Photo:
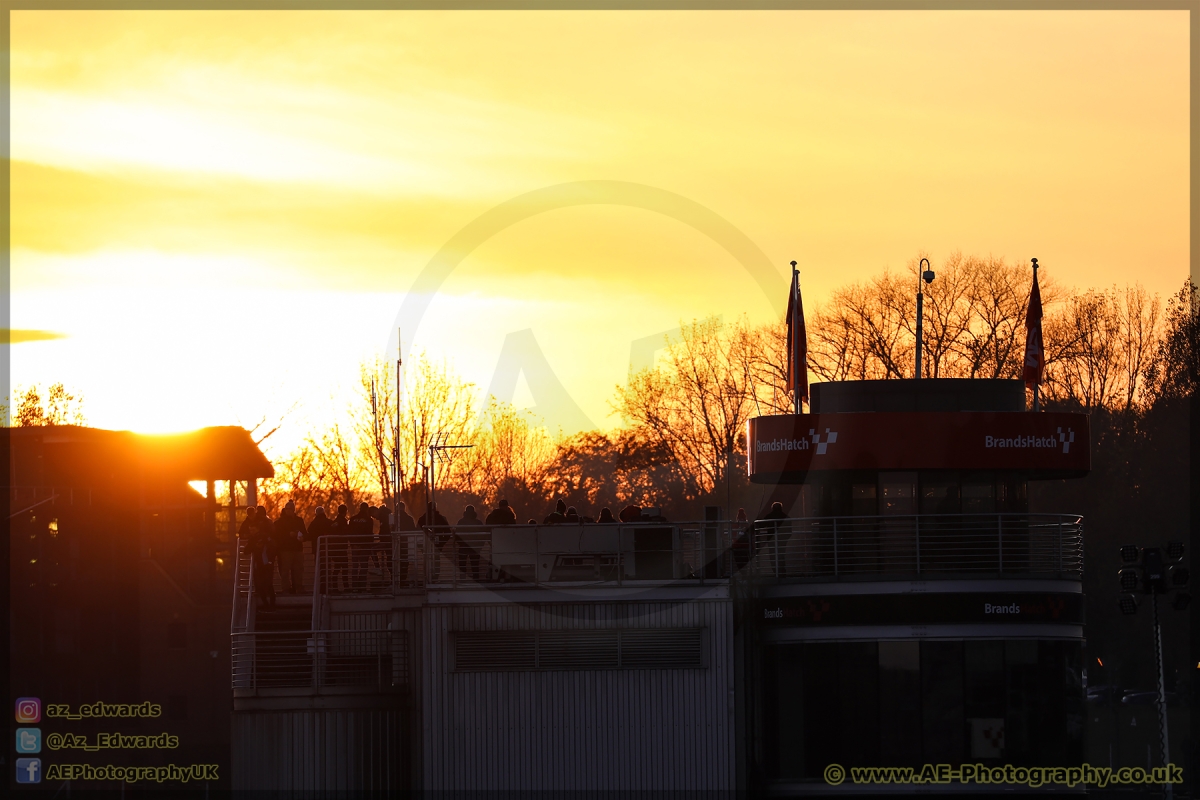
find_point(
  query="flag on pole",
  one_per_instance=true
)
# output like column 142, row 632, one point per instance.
column 797, row 343
column 1035, row 354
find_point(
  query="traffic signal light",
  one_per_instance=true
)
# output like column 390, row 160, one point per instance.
column 1181, row 601
column 1128, row 604
column 1130, row 553
column 1129, row 579
column 1179, row 577
column 1175, row 551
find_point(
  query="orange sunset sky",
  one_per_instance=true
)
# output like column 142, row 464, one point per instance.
column 219, row 214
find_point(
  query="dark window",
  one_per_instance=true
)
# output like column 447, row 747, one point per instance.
column 862, row 500
column 897, row 492
column 939, row 494
column 900, row 703
column 903, row 703
column 979, row 494
column 578, row 649
column 942, row 693
column 177, row 636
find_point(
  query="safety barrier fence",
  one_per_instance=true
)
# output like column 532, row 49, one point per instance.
column 699, row 552
column 975, row 544
column 324, row 659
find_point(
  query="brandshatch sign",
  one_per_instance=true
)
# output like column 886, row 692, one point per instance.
column 923, row 608
column 784, row 448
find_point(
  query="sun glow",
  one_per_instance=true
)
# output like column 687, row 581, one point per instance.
column 218, row 214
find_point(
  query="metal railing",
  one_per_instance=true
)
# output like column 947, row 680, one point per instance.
column 243, row 598
column 325, row 659
column 924, row 545
column 697, row 552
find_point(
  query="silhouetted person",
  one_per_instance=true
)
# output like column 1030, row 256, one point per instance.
column 362, row 528
column 432, row 518
column 631, row 513
column 605, row 516
column 776, row 512
column 383, row 541
column 559, row 514
column 249, row 525
column 289, row 541
column 466, row 538
column 769, row 525
column 252, row 534
column 572, row 515
column 742, row 535
column 532, row 522
column 404, row 520
column 264, row 545
column 405, row 551
column 439, row 533
column 502, row 515
column 339, row 563
column 320, row 527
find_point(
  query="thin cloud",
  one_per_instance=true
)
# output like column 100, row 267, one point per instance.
column 21, row 335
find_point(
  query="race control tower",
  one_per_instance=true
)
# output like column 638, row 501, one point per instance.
column 908, row 606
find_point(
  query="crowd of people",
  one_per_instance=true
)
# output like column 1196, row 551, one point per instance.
column 278, row 544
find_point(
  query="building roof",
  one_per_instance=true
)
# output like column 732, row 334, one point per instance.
column 215, row 453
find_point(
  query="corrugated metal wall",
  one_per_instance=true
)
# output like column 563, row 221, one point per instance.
column 629, row 729
column 319, row 750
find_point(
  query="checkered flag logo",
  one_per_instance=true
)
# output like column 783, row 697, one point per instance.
column 829, row 436
column 1065, row 439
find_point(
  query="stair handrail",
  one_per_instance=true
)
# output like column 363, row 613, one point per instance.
column 250, row 591
column 237, row 587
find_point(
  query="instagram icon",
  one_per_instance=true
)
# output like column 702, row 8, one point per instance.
column 29, row 709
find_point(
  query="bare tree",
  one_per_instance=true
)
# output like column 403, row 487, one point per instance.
column 1140, row 332
column 59, row 407
column 1175, row 370
column 696, row 404
column 511, row 448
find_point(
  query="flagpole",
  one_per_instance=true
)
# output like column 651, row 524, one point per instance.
column 1036, row 386
column 795, row 340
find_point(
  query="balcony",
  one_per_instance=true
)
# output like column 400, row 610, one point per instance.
column 919, row 546
column 925, row 546
column 824, row 548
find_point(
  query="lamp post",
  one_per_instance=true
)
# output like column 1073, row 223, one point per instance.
column 926, row 276
column 1148, row 572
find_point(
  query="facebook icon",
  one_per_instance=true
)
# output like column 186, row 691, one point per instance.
column 29, row 770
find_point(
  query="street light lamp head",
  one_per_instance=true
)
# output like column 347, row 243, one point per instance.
column 1179, row 577
column 1129, row 580
column 927, row 275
